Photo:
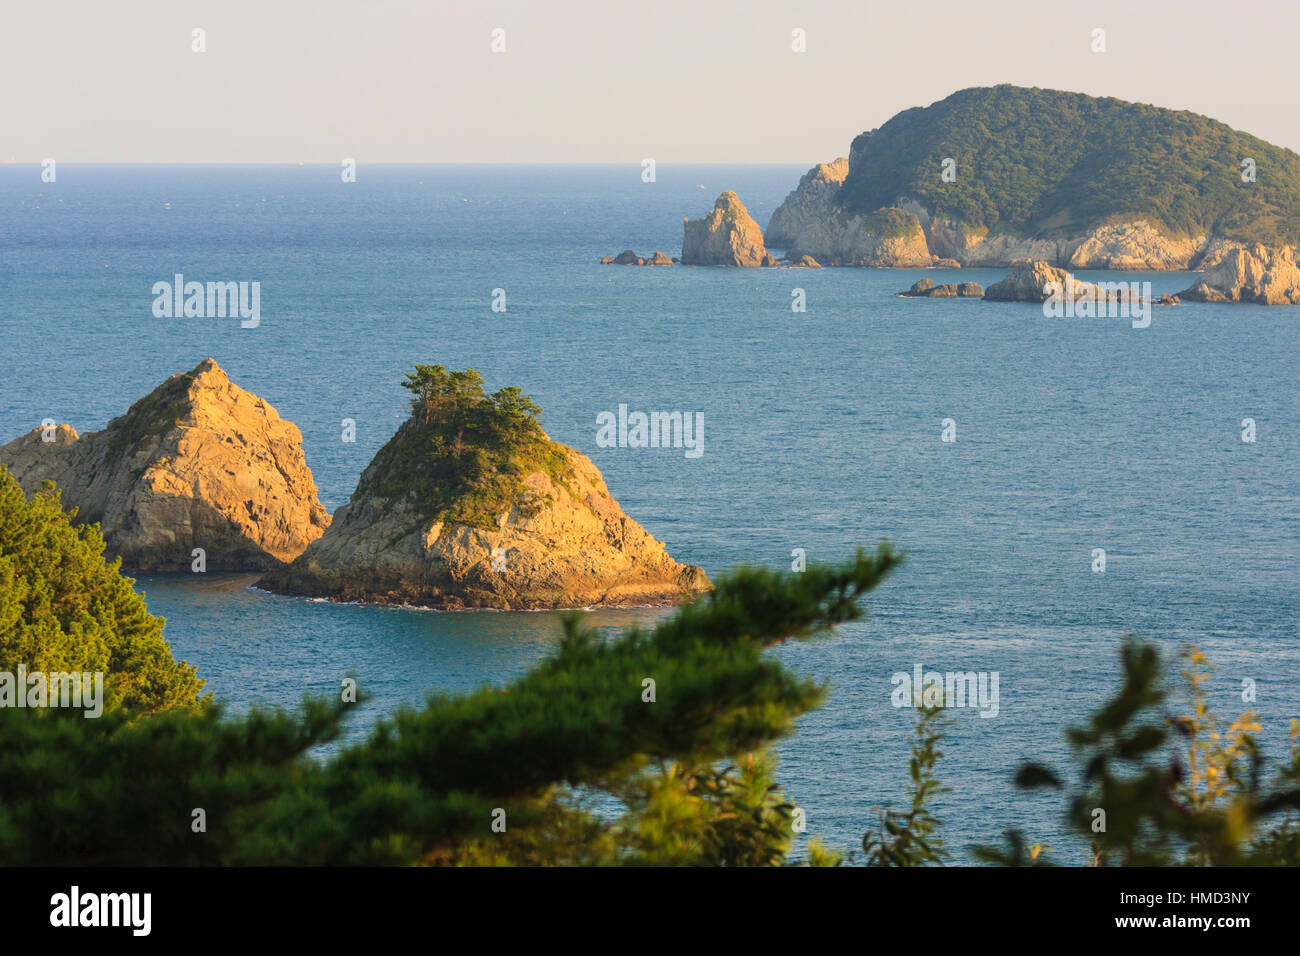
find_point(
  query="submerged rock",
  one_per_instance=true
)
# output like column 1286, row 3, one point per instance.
column 196, row 463
column 926, row 289
column 508, row 519
column 727, row 236
column 629, row 258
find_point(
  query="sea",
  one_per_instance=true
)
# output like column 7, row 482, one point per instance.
column 1068, row 440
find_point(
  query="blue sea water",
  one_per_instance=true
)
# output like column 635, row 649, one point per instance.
column 822, row 432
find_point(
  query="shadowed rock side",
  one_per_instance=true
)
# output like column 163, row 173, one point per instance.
column 807, row 206
column 196, row 463
column 562, row 541
column 727, row 236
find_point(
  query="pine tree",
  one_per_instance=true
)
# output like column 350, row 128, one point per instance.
column 520, row 774
column 64, row 608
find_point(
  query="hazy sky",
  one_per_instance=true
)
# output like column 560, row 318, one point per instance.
column 608, row 81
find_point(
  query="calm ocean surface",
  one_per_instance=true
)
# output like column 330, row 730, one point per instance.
column 822, row 432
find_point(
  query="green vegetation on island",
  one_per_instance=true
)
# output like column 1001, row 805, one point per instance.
column 463, row 454
column 1049, row 163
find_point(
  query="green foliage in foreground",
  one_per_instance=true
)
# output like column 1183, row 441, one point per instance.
column 911, row 838
column 463, row 454
column 1177, row 789
column 689, row 767
column 63, row 608
column 1052, row 163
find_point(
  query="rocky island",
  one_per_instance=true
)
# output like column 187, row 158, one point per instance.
column 196, row 463
column 727, row 236
column 471, row 505
column 992, row 175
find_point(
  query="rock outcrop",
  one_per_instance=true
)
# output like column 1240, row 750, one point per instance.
column 1257, row 275
column 809, row 204
column 1036, row 281
column 1137, row 246
column 557, row 540
column 926, row 289
column 727, row 236
column 196, row 463
column 812, row 226
column 629, row 258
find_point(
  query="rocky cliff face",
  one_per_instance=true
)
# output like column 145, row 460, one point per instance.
column 811, row 222
column 810, row 204
column 1257, row 274
column 558, row 541
column 727, row 236
column 1135, row 246
column 196, row 463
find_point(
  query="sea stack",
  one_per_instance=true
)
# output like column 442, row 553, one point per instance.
column 196, row 463
column 727, row 236
column 471, row 505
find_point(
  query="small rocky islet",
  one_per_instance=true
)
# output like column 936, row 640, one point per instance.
column 514, row 521
column 197, row 463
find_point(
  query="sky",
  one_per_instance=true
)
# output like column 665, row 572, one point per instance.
column 705, row 81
